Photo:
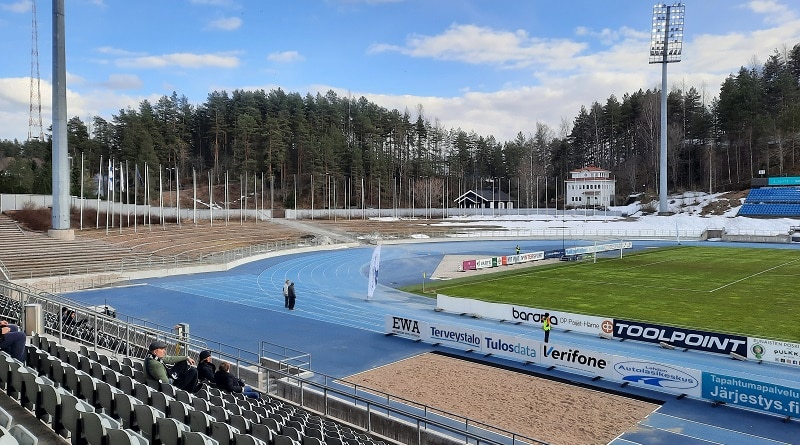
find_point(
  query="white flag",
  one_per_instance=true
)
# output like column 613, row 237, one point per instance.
column 374, row 266
column 110, row 177
column 121, row 178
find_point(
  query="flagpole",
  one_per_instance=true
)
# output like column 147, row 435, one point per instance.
column 161, row 197
column 81, row 191
column 99, row 188
column 121, row 189
column 194, row 197
column 262, row 192
column 210, row 200
column 147, row 196
column 312, row 196
column 178, row 195
column 127, row 194
column 109, row 193
column 135, row 193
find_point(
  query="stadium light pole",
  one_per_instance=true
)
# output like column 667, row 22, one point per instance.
column 666, row 46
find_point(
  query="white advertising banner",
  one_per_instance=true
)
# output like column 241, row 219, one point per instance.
column 532, row 256
column 406, row 327
column 483, row 263
column 773, row 351
column 509, row 346
column 658, row 376
column 643, row 373
column 452, row 336
column 533, row 316
column 574, row 357
column 639, row 372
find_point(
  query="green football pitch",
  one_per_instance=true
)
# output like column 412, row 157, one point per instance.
column 721, row 289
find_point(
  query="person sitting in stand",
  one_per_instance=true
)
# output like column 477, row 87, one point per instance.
column 12, row 340
column 206, row 369
column 69, row 318
column 181, row 375
column 227, row 382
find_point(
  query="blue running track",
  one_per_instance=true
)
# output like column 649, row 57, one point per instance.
column 343, row 331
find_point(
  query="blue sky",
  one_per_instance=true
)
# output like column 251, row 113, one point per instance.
column 493, row 66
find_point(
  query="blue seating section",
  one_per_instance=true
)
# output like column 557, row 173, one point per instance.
column 772, row 202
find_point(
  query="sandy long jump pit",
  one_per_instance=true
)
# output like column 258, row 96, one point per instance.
column 554, row 412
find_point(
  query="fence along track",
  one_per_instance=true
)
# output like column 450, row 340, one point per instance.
column 133, row 335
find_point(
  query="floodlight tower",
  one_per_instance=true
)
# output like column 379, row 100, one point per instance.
column 60, row 213
column 666, row 46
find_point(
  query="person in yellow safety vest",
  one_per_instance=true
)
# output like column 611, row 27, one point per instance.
column 517, row 249
column 546, row 326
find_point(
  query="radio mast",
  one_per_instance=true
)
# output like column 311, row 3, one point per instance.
column 35, row 130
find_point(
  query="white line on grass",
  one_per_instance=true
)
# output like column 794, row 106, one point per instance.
column 753, row 275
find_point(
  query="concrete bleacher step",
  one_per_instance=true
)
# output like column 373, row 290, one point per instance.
column 31, row 255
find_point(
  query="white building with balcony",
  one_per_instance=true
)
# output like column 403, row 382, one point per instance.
column 590, row 187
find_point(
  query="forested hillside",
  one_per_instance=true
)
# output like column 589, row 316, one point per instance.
column 718, row 143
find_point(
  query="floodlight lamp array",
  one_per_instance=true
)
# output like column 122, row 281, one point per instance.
column 666, row 38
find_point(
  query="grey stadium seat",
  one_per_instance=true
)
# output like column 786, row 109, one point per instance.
column 125, row 437
column 262, row 432
column 200, row 422
column 280, row 439
column 245, row 439
column 170, row 431
column 124, row 407
column 96, row 427
column 23, row 436
column 195, row 438
column 223, row 433
column 146, row 420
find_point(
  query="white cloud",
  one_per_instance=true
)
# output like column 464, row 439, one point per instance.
column 14, row 91
column 117, row 52
column 481, row 45
column 18, row 7
column 226, row 24
column 183, row 60
column 773, row 11
column 122, row 82
column 285, row 57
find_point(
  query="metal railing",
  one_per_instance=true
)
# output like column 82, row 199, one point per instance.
column 292, row 361
column 129, row 336
column 5, row 272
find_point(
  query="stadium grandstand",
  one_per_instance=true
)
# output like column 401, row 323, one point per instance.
column 773, row 197
column 83, row 379
column 85, row 382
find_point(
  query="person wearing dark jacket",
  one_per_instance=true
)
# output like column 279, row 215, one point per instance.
column 206, row 368
column 12, row 340
column 227, row 382
column 292, row 296
column 181, row 375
